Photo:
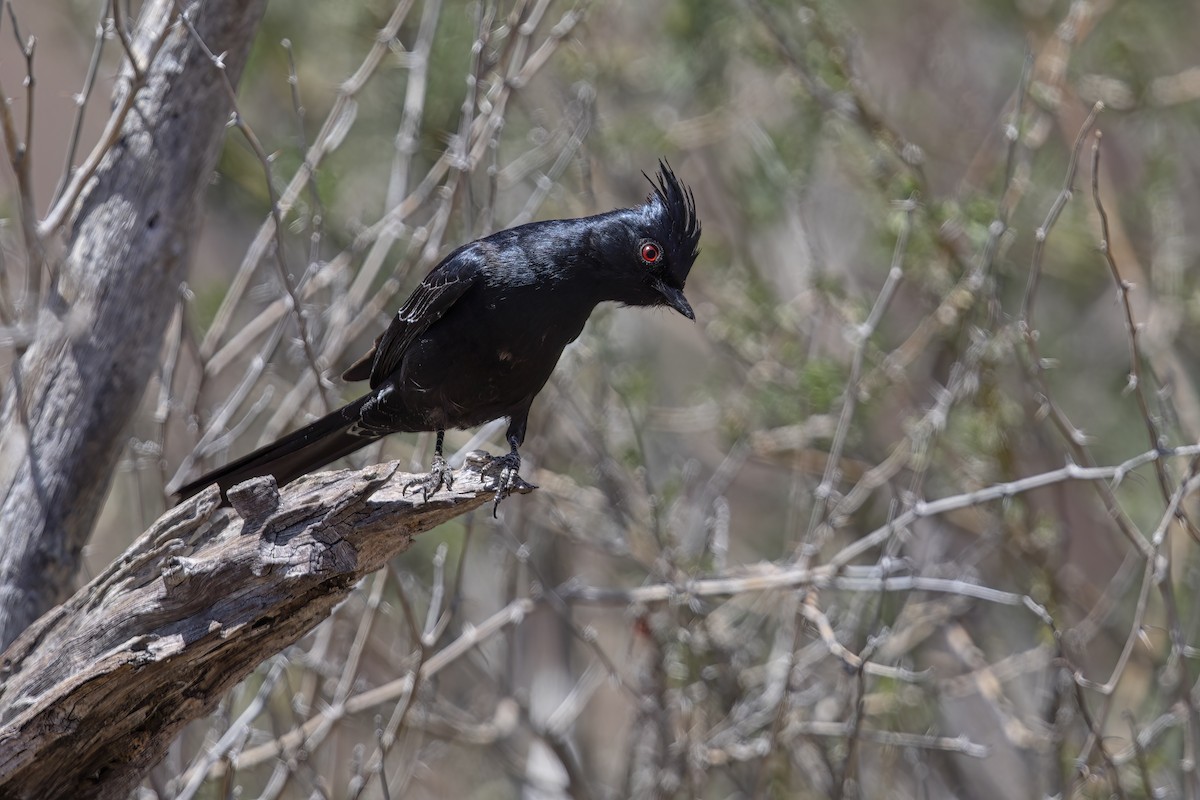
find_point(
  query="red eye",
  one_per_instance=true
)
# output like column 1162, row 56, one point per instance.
column 651, row 253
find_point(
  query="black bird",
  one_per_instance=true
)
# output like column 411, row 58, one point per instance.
column 479, row 337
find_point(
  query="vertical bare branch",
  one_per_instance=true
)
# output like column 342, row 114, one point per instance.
column 101, row 330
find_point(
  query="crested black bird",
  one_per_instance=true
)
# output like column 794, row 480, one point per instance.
column 478, row 338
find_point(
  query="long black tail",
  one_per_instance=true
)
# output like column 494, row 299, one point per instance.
column 296, row 454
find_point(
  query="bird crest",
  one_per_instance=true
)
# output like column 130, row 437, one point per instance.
column 679, row 207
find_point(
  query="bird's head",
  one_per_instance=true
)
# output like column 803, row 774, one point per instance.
column 653, row 246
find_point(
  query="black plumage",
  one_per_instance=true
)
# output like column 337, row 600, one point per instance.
column 478, row 338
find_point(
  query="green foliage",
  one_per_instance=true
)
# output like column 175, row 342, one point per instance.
column 705, row 35
column 987, row 427
column 206, row 301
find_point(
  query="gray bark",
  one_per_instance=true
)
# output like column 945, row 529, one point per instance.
column 92, row 694
column 100, row 329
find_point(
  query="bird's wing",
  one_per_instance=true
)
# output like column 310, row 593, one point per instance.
column 429, row 301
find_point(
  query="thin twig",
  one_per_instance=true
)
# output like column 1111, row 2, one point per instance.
column 134, row 74
column 81, row 101
column 239, row 122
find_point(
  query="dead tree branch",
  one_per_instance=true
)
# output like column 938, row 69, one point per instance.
column 93, row 692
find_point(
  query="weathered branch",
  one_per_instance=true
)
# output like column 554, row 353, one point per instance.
column 92, row 693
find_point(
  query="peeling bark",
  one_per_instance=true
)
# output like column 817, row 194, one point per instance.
column 93, row 692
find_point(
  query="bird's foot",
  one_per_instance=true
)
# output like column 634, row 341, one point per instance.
column 439, row 475
column 507, row 469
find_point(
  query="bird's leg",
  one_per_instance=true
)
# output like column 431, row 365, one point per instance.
column 440, row 473
column 440, row 470
column 510, row 466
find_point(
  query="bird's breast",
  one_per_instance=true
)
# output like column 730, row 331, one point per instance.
column 487, row 358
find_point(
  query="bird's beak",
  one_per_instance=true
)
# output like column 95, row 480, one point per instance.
column 675, row 299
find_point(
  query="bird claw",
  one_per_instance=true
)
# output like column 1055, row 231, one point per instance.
column 439, row 475
column 506, row 468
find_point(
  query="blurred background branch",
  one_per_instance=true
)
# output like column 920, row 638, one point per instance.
column 909, row 511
